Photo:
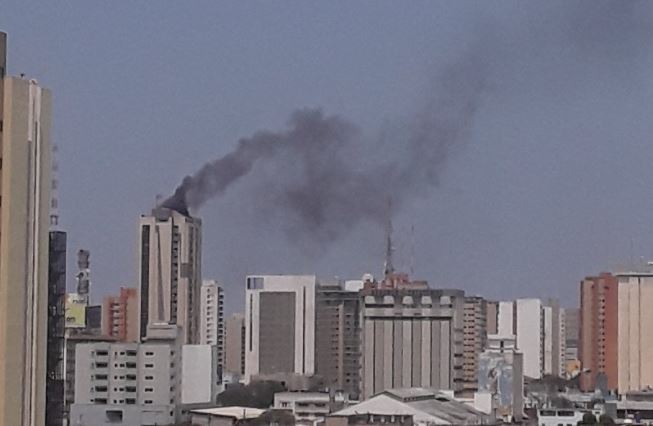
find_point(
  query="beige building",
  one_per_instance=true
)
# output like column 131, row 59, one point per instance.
column 169, row 272
column 24, row 226
column 212, row 317
column 412, row 337
column 474, row 339
column 635, row 347
column 235, row 345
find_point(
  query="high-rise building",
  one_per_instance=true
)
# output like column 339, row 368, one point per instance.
column 554, row 338
column 634, row 341
column 492, row 318
column 539, row 329
column 24, row 227
column 120, row 316
column 530, row 335
column 597, row 348
column 212, row 317
column 235, row 345
column 474, row 339
column 169, row 271
column 54, row 387
column 572, row 333
column 412, row 337
column 506, row 324
column 337, row 337
column 280, row 325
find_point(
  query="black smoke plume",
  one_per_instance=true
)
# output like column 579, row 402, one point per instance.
column 323, row 186
column 325, row 182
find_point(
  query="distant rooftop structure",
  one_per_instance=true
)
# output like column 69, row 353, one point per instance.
column 235, row 412
column 427, row 406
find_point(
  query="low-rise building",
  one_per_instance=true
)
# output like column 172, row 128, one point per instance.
column 309, row 407
column 224, row 416
column 128, row 383
column 426, row 406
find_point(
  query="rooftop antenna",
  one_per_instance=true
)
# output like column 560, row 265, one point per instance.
column 388, row 268
column 412, row 251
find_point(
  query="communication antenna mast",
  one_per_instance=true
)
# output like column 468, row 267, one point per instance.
column 388, row 267
column 412, row 251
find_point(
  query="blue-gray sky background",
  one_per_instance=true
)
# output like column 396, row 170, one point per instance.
column 554, row 184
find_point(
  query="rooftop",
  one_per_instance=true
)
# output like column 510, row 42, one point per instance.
column 235, row 412
column 429, row 405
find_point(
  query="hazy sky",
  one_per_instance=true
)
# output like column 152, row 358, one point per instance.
column 551, row 181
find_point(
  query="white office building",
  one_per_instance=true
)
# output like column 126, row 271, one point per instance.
column 212, row 317
column 280, row 325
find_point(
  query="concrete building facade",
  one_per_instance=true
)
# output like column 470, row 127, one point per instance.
column 572, row 333
column 530, row 335
column 280, row 325
column 120, row 316
column 634, row 339
column 212, row 317
column 169, row 272
column 24, row 227
column 235, row 345
column 118, row 383
column 555, row 339
column 412, row 338
column 337, row 338
column 501, row 374
column 598, row 337
column 474, row 339
column 200, row 374
column 492, row 318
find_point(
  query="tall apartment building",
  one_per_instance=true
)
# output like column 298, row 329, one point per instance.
column 129, row 383
column 598, row 343
column 634, row 339
column 474, row 339
column 572, row 333
column 280, row 325
column 235, row 345
column 412, row 337
column 539, row 331
column 212, row 317
column 554, row 338
column 24, row 227
column 337, row 337
column 54, row 387
column 120, row 315
column 169, row 271
column 492, row 318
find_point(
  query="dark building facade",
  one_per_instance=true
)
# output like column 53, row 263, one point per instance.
column 337, row 338
column 54, row 396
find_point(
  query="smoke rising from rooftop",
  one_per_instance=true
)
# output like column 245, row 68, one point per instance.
column 323, row 190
